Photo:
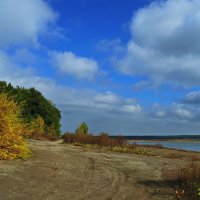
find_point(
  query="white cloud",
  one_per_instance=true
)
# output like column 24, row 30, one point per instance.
column 22, row 21
column 175, row 111
column 131, row 108
column 192, row 98
column 181, row 111
column 171, row 26
column 71, row 64
column 165, row 43
column 107, row 98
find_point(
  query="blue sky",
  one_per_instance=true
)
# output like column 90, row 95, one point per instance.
column 125, row 67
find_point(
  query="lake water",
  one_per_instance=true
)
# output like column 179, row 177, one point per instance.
column 190, row 146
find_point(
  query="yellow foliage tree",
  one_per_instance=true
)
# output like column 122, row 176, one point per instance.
column 37, row 126
column 12, row 130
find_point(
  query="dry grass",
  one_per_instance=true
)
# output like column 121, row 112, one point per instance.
column 188, row 182
column 116, row 144
column 102, row 141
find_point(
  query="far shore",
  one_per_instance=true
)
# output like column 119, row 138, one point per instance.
column 166, row 140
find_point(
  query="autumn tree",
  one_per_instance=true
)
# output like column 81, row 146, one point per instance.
column 37, row 126
column 12, row 130
column 82, row 129
column 34, row 105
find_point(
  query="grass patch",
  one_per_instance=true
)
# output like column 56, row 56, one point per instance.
column 142, row 151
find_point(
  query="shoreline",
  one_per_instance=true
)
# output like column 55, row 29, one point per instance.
column 167, row 140
column 159, row 145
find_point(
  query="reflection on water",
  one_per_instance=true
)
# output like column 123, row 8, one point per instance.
column 190, row 146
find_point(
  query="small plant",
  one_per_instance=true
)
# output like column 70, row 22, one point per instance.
column 141, row 151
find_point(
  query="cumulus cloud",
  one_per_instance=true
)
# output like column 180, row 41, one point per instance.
column 22, row 21
column 192, row 98
column 107, row 98
column 181, row 111
column 131, row 108
column 175, row 111
column 173, row 26
column 165, row 43
column 77, row 66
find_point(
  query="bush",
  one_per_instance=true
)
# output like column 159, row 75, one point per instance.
column 188, row 182
column 102, row 141
column 12, row 130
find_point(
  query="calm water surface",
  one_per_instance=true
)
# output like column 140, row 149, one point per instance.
column 190, row 146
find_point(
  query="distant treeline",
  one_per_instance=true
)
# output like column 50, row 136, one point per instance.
column 34, row 108
column 174, row 137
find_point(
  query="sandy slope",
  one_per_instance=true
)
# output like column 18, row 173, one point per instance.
column 63, row 172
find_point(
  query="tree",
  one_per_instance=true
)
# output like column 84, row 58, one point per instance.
column 37, row 126
column 34, row 105
column 12, row 130
column 51, row 130
column 82, row 129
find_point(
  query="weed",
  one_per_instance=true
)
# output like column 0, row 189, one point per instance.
column 141, row 151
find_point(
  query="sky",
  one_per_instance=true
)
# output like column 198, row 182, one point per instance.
column 125, row 67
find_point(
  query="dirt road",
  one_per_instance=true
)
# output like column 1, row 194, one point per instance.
column 64, row 172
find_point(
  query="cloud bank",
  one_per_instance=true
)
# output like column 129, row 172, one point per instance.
column 165, row 43
column 22, row 21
